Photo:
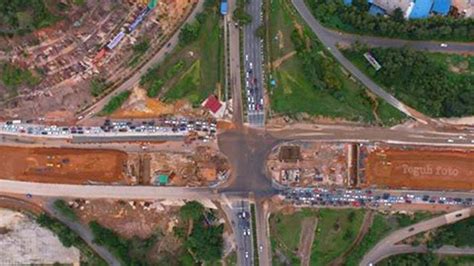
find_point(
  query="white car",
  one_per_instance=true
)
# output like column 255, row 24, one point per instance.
column 246, row 254
column 251, row 65
column 444, row 45
column 246, row 57
column 450, row 140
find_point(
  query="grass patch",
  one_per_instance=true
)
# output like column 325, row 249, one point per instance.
column 312, row 82
column 62, row 207
column 115, row 102
column 254, row 235
column 231, row 259
column 380, row 228
column 187, row 85
column 336, row 231
column 195, row 68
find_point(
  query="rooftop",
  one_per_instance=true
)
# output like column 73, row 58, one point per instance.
column 390, row 5
column 421, row 9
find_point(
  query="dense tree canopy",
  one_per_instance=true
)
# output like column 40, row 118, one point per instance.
column 422, row 83
column 24, row 15
column 356, row 19
column 205, row 240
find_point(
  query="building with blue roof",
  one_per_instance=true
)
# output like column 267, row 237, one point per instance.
column 441, row 7
column 422, row 9
column 412, row 9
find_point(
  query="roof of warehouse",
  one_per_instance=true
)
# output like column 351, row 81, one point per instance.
column 442, row 6
column 422, row 9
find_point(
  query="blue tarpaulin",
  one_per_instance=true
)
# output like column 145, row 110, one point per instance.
column 441, row 7
column 422, row 9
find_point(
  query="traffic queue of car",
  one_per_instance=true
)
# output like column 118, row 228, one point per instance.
column 254, row 93
column 156, row 126
column 366, row 198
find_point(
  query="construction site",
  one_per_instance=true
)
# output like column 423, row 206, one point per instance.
column 90, row 41
column 397, row 167
column 71, row 166
column 201, row 166
column 309, row 164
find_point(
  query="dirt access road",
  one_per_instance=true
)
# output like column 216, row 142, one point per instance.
column 62, row 165
column 308, row 228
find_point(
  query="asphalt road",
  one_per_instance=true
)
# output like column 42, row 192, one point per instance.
column 444, row 250
column 247, row 153
column 387, row 246
column 371, row 41
column 105, row 191
column 243, row 232
column 135, row 78
column 124, row 138
column 330, row 43
column 253, row 60
column 234, row 61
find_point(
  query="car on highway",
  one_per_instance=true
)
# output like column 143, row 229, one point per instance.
column 444, row 45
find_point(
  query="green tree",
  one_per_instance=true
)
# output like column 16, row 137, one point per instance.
column 189, row 33
column 67, row 237
column 398, row 15
column 191, row 210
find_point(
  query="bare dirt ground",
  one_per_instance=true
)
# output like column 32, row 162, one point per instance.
column 139, row 105
column 436, row 208
column 421, row 168
column 128, row 218
column 52, row 165
column 23, row 242
column 308, row 227
column 282, row 59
